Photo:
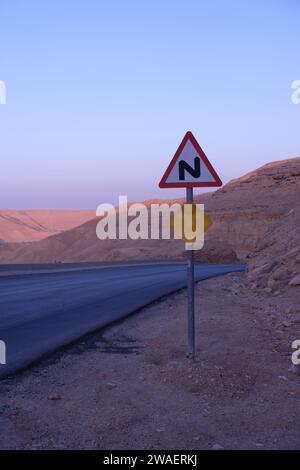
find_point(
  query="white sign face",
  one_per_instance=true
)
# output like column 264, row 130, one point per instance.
column 190, row 167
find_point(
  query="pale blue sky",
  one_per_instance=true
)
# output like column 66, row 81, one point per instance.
column 99, row 94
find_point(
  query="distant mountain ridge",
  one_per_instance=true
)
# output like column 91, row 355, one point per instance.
column 34, row 225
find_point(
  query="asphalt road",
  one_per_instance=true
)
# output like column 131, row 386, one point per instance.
column 40, row 313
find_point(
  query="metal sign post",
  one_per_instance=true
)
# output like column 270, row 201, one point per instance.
column 190, row 168
column 190, row 290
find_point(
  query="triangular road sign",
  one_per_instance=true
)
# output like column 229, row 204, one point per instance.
column 189, row 167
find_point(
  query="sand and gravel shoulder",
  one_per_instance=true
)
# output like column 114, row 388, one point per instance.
column 130, row 386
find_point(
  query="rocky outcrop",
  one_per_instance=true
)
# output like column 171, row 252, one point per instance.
column 275, row 263
column 251, row 208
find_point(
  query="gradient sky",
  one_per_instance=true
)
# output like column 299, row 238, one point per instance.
column 100, row 94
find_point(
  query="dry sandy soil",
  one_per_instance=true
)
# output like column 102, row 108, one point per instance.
column 130, row 386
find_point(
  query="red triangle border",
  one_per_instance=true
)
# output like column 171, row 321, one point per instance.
column 189, row 136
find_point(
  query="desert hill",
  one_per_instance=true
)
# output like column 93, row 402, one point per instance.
column 33, row 225
column 255, row 218
column 260, row 214
column 248, row 208
column 81, row 244
column 276, row 260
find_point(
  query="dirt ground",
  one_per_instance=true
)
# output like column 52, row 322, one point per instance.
column 130, row 386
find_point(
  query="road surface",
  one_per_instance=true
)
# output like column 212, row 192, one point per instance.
column 40, row 313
